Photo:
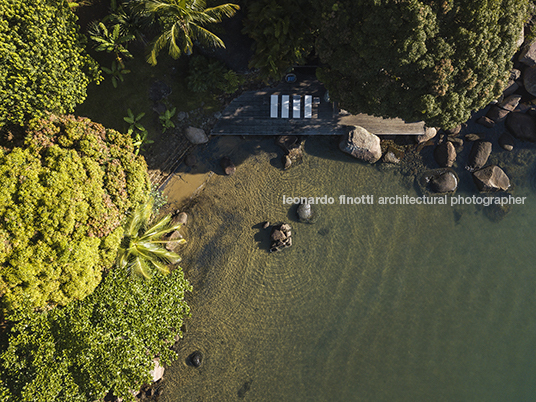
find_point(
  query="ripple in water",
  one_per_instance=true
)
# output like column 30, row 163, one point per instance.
column 371, row 303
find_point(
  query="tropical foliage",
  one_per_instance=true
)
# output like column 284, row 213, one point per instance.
column 183, row 23
column 283, row 34
column 137, row 131
column 113, row 40
column 64, row 196
column 44, row 66
column 142, row 250
column 206, row 74
column 116, row 71
column 105, row 342
column 419, row 60
column 165, row 119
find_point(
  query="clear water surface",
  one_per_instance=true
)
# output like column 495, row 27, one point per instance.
column 371, row 303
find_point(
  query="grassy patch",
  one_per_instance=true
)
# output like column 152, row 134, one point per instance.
column 108, row 105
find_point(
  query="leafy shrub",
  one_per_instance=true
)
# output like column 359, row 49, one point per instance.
column 44, row 66
column 283, row 34
column 418, row 60
column 205, row 74
column 105, row 342
column 64, row 197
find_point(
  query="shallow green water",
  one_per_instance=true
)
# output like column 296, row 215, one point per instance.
column 372, row 302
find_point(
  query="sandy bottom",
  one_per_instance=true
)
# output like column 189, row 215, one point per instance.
column 371, row 303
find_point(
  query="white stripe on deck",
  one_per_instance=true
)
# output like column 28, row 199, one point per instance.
column 296, row 103
column 308, row 106
column 274, row 105
column 285, row 104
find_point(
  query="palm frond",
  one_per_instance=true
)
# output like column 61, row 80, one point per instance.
column 158, row 44
column 138, row 267
column 219, row 12
column 160, row 266
column 153, row 252
column 160, row 228
column 205, row 37
column 175, row 50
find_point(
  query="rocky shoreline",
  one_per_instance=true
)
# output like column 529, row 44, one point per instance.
column 490, row 154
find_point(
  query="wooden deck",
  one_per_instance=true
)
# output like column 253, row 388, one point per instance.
column 249, row 114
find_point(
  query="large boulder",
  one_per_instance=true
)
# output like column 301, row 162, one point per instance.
column 196, row 135
column 361, row 144
column 522, row 126
column 158, row 371
column 499, row 111
column 528, row 54
column 491, row 178
column 445, row 154
column 444, row 183
column 438, row 181
column 529, row 80
column 479, row 155
column 510, row 102
column 429, row 133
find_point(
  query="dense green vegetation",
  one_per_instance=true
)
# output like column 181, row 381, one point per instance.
column 44, row 66
column 435, row 61
column 142, row 252
column 183, row 23
column 104, row 343
column 64, row 196
column 418, row 60
column 283, row 34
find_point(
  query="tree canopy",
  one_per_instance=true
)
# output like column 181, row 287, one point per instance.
column 435, row 61
column 43, row 65
column 183, row 23
column 63, row 200
column 105, row 342
column 283, row 34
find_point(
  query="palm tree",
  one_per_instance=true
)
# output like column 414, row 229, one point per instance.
column 141, row 250
column 183, row 22
column 111, row 41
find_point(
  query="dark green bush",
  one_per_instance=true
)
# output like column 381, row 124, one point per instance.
column 44, row 65
column 418, row 60
column 206, row 74
column 105, row 342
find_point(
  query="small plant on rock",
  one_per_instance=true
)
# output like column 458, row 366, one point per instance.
column 137, row 131
column 165, row 119
column 117, row 71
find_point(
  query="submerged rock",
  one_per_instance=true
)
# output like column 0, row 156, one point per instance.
column 491, row 178
column 305, row 212
column 227, row 165
column 522, row 126
column 438, row 181
column 479, row 155
column 196, row 358
column 506, row 141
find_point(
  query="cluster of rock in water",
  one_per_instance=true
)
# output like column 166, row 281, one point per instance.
column 509, row 123
column 280, row 237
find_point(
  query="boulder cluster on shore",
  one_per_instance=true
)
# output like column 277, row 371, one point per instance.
column 478, row 148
